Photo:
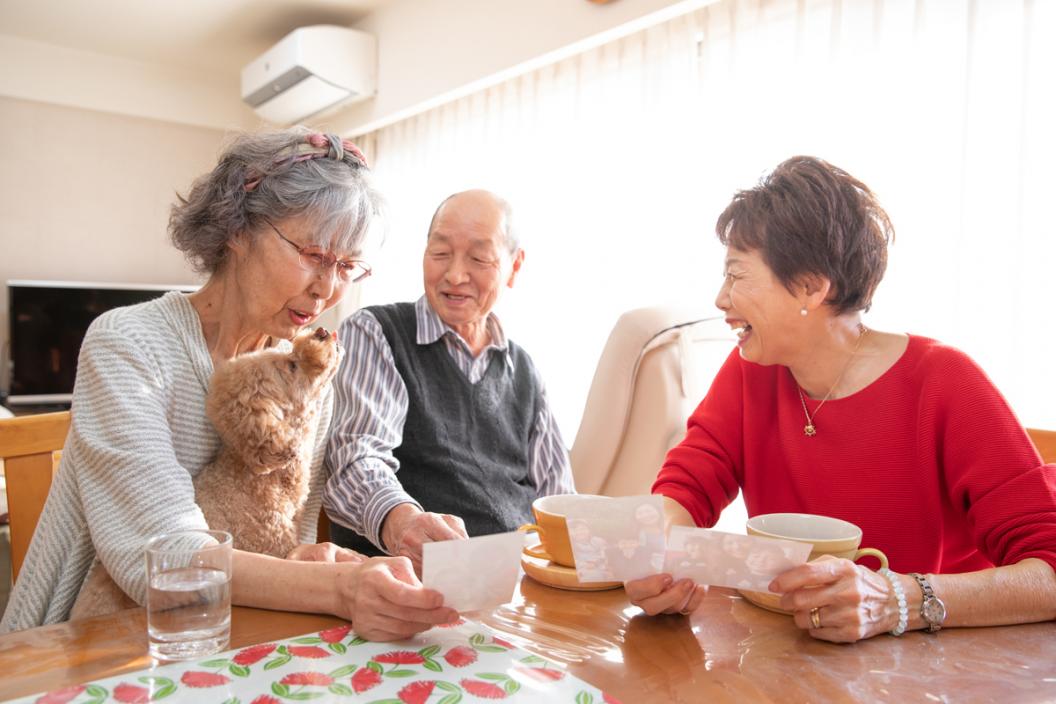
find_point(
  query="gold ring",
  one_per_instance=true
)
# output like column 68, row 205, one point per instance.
column 815, row 617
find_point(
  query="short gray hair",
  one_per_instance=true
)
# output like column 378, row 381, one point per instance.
column 267, row 175
column 511, row 235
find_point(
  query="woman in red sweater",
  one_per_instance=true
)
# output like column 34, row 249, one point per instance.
column 899, row 434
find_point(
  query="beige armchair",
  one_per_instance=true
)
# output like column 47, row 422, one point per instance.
column 656, row 367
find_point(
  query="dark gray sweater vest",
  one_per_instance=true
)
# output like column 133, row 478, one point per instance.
column 465, row 446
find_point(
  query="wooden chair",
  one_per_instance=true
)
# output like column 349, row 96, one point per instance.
column 323, row 531
column 30, row 447
column 1045, row 441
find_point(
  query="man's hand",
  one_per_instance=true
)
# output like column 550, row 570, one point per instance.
column 407, row 528
column 324, row 552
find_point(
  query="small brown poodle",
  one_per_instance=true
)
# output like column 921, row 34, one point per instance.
column 264, row 406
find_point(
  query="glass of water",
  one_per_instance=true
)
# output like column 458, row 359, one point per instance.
column 189, row 594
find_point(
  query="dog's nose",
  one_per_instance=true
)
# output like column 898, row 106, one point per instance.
column 321, row 333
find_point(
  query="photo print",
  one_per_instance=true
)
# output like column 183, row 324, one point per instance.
column 617, row 539
column 728, row 559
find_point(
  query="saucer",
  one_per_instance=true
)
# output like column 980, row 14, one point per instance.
column 765, row 600
column 554, row 575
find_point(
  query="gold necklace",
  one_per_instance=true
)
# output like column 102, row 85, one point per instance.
column 810, row 430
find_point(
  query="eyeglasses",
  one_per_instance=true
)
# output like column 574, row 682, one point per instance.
column 319, row 260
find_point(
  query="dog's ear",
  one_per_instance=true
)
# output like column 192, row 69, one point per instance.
column 266, row 441
column 247, row 406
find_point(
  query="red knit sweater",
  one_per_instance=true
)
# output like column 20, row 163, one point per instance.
column 929, row 460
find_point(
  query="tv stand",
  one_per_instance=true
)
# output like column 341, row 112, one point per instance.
column 34, row 409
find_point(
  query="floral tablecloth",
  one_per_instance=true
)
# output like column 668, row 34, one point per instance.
column 462, row 663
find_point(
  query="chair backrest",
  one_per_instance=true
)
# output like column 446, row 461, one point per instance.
column 654, row 370
column 30, row 447
column 1045, row 441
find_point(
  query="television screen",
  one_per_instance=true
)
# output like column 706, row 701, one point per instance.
column 48, row 322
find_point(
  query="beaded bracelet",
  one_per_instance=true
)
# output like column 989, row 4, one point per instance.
column 900, row 595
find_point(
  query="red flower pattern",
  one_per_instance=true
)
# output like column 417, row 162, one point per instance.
column 308, row 651
column 131, row 694
column 365, row 679
column 484, row 690
column 253, row 654
column 400, row 657
column 460, row 656
column 316, row 678
column 335, row 634
column 61, row 696
column 416, row 692
column 203, row 679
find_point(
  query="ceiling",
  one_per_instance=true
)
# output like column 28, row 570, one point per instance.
column 216, row 35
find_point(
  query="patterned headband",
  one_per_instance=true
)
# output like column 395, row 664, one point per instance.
column 315, row 146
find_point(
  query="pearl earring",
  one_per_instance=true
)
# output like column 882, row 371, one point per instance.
column 803, row 311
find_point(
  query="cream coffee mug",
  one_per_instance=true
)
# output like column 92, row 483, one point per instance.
column 550, row 524
column 828, row 536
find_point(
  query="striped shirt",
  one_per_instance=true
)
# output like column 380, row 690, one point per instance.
column 139, row 435
column 371, row 408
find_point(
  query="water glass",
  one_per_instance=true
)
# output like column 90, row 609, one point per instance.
column 189, row 595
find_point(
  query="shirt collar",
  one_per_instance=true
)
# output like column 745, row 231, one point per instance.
column 431, row 328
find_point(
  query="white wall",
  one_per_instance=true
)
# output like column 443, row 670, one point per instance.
column 85, row 195
column 430, row 51
column 83, row 79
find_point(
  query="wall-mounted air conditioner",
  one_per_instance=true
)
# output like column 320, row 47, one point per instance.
column 309, row 70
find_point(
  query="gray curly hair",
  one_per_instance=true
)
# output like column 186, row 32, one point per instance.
column 275, row 175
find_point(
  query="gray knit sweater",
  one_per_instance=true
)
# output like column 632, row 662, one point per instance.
column 138, row 437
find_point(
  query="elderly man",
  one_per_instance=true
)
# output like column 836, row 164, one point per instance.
column 441, row 427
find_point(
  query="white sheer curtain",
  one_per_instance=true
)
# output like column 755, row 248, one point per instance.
column 617, row 162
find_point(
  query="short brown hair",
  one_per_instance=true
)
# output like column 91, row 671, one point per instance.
column 810, row 217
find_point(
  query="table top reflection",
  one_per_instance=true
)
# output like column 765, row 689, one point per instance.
column 727, row 651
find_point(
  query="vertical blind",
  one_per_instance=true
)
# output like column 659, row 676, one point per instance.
column 618, row 161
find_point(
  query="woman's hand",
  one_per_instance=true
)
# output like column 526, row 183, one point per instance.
column 324, row 552
column 852, row 601
column 384, row 600
column 660, row 594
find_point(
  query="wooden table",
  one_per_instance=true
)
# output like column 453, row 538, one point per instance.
column 728, row 651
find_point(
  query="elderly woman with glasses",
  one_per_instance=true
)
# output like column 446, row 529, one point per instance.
column 279, row 227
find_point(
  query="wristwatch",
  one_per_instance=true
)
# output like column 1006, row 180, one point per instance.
column 932, row 610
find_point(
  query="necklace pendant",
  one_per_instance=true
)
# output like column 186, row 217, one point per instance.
column 809, row 430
